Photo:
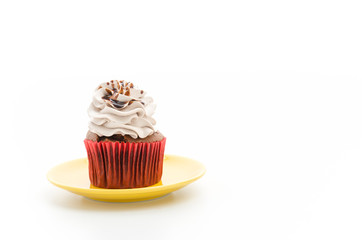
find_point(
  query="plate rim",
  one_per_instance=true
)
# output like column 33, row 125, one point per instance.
column 129, row 190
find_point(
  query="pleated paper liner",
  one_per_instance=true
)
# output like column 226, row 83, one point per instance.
column 125, row 165
column 154, row 185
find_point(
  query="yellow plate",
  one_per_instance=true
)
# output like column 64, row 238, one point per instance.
column 177, row 172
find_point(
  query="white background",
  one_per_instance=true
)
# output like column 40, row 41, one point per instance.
column 266, row 94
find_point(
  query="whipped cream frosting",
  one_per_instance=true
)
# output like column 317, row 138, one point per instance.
column 119, row 107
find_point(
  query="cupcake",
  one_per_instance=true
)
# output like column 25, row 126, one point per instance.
column 123, row 146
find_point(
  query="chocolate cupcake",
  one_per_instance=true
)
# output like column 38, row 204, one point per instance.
column 123, row 146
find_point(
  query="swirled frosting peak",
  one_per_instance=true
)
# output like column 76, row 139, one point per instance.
column 119, row 107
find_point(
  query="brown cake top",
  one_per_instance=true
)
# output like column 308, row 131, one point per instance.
column 157, row 136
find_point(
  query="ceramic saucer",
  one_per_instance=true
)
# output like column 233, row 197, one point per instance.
column 177, row 173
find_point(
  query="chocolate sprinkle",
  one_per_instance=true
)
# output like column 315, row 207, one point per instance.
column 119, row 87
column 117, row 104
column 109, row 91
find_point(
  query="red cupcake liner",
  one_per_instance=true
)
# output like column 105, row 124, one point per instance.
column 125, row 165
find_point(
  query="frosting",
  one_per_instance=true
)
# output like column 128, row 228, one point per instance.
column 118, row 107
